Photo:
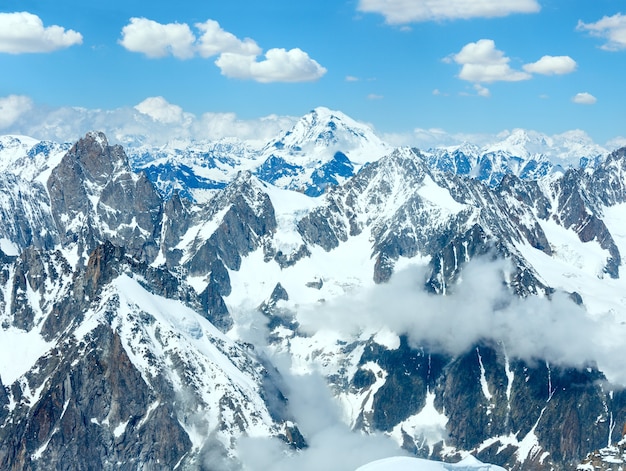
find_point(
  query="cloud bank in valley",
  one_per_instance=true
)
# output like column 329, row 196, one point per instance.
column 332, row 445
column 479, row 308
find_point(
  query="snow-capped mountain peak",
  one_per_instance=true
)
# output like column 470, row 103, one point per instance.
column 522, row 143
column 319, row 134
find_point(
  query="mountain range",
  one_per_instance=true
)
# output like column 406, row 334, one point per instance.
column 186, row 307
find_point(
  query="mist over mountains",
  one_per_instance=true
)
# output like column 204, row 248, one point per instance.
column 237, row 304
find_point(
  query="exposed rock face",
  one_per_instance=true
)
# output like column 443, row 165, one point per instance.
column 25, row 213
column 108, row 394
column 578, row 210
column 95, row 197
column 245, row 216
column 96, row 413
column 397, row 200
column 491, row 405
column 176, row 222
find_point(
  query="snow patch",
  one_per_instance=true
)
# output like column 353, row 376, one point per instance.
column 388, row 339
column 439, row 196
column 404, row 463
column 9, row 248
column 429, row 425
column 23, row 348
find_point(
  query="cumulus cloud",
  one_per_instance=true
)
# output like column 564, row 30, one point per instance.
column 482, row 62
column 215, row 40
column 478, row 308
column 279, row 65
column 611, row 28
column 12, row 107
column 160, row 110
column 158, row 40
column 552, row 65
column 584, row 98
column 237, row 57
column 409, row 11
column 24, row 32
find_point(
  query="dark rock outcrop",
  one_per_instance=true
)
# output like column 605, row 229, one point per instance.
column 95, row 414
column 96, row 197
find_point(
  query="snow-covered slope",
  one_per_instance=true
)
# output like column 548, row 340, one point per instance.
column 29, row 158
column 415, row 464
column 318, row 135
column 322, row 149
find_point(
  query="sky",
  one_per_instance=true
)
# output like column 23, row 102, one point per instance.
column 403, row 66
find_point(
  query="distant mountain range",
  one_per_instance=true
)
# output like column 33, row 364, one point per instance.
column 175, row 307
column 322, row 149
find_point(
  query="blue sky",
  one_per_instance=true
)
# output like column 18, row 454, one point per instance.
column 402, row 65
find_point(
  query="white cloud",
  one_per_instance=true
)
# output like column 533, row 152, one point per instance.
column 552, row 65
column 437, row 92
column 158, row 40
column 332, row 445
column 478, row 308
column 409, row 11
column 220, row 125
column 160, row 110
column 434, row 137
column 611, row 28
column 23, row 32
column 279, row 65
column 154, row 121
column 237, row 57
column 584, row 98
column 482, row 91
column 482, row 62
column 215, row 40
column 12, row 108
column 616, row 142
column 374, row 96
column 351, row 78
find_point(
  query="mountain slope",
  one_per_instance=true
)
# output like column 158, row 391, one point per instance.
column 444, row 313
